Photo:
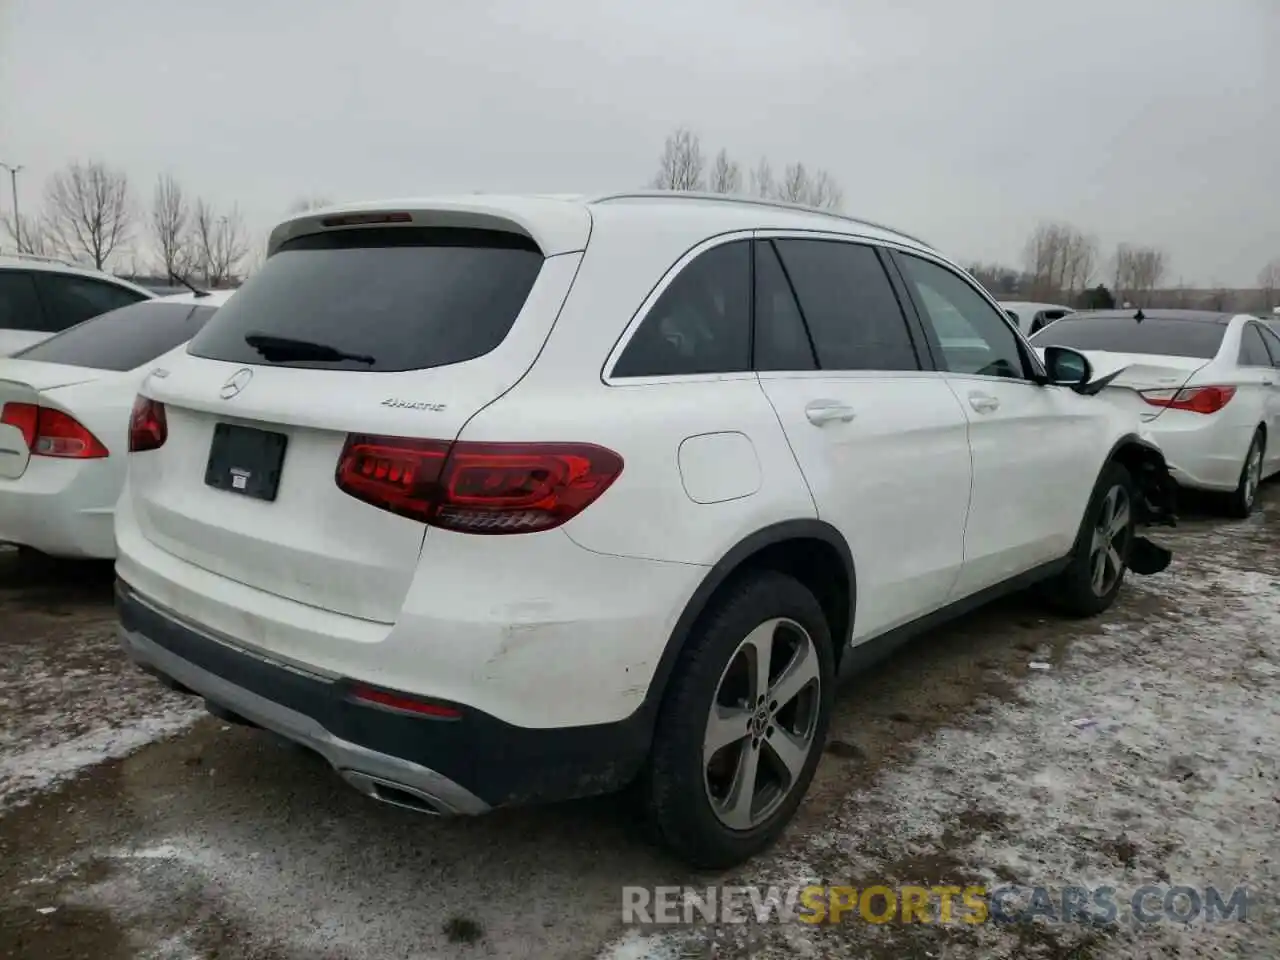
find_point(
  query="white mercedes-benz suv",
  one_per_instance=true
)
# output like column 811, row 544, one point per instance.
column 494, row 500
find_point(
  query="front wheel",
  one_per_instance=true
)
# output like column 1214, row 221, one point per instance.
column 1100, row 557
column 743, row 724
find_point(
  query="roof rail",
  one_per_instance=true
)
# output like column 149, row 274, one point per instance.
column 758, row 201
column 37, row 257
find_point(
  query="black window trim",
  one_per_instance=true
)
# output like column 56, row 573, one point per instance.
column 1031, row 365
column 35, row 289
column 926, row 362
column 607, row 376
column 757, row 244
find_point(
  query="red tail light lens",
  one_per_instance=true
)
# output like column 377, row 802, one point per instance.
column 1192, row 399
column 491, row 488
column 24, row 416
column 52, row 433
column 148, row 428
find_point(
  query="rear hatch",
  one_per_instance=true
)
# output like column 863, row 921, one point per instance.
column 21, row 385
column 403, row 331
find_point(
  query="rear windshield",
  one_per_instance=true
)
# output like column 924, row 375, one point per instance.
column 123, row 339
column 381, row 299
column 1171, row 338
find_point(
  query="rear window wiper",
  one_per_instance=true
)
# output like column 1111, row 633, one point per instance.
column 284, row 349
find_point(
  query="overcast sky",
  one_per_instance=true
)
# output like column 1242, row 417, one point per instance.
column 1152, row 121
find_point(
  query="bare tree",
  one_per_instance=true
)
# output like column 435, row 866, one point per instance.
column 681, row 164
column 762, row 179
column 1059, row 261
column 726, row 175
column 1138, row 271
column 825, row 192
column 1269, row 284
column 89, row 211
column 794, row 187
column 171, row 227
column 221, row 242
column 1080, row 262
column 28, row 235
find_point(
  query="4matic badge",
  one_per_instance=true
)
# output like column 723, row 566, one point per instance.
column 413, row 405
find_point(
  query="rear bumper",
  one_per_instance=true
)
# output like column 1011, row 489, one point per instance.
column 64, row 508
column 450, row 766
column 1202, row 453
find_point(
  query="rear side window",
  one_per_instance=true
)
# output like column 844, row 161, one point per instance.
column 382, row 299
column 69, row 299
column 849, row 305
column 1199, row 339
column 701, row 323
column 782, row 343
column 1273, row 344
column 1253, row 350
column 19, row 306
column 125, row 338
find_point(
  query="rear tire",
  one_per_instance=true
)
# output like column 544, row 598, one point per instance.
column 1240, row 503
column 1100, row 558
column 715, row 795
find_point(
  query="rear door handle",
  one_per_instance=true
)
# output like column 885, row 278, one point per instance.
column 822, row 412
column 983, row 402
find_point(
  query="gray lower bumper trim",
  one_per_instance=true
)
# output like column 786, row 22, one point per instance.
column 369, row 766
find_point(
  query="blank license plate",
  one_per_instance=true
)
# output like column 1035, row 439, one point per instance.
column 246, row 461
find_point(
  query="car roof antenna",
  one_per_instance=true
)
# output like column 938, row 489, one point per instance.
column 182, row 279
column 1139, row 316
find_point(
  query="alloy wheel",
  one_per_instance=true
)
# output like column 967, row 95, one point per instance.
column 1110, row 541
column 761, row 727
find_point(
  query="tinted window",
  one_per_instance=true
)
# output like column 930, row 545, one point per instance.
column 975, row 338
column 19, row 307
column 1171, row 338
column 700, row 323
column 849, row 305
column 123, row 339
column 405, row 298
column 1253, row 352
column 69, row 300
column 782, row 343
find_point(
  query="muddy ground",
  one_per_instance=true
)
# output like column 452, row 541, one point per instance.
column 132, row 825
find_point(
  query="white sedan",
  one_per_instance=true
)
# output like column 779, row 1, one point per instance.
column 1207, row 385
column 65, row 407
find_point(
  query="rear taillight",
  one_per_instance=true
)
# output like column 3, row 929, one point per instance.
column 148, row 429
column 491, row 488
column 52, row 433
column 1192, row 399
column 24, row 416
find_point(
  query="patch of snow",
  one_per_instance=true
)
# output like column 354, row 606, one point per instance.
column 634, row 945
column 74, row 700
column 40, row 767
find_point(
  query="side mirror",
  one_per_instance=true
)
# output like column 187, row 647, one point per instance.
column 1066, row 367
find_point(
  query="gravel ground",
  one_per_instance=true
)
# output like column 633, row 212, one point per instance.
column 133, row 826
